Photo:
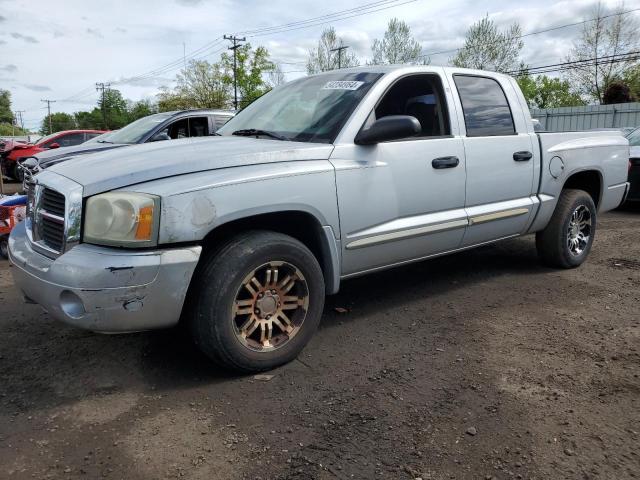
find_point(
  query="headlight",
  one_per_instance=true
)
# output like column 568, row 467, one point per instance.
column 122, row 219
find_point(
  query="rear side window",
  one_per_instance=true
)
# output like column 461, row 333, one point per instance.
column 485, row 106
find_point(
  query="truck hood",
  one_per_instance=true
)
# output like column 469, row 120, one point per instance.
column 119, row 168
column 51, row 157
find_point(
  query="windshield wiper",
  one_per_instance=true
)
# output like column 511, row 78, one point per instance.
column 103, row 141
column 254, row 132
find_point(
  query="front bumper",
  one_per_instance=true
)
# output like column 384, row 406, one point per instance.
column 105, row 289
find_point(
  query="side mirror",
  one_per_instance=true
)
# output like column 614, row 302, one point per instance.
column 159, row 137
column 54, row 145
column 393, row 127
column 29, row 162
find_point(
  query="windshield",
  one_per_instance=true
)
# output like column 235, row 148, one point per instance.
column 634, row 138
column 100, row 138
column 47, row 138
column 311, row 109
column 136, row 131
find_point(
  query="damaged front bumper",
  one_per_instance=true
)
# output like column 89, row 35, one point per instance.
column 105, row 289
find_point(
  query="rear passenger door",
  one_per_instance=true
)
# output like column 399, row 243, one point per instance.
column 499, row 158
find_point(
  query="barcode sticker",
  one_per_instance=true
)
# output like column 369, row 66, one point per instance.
column 343, row 85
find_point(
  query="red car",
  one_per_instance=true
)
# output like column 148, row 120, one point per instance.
column 12, row 150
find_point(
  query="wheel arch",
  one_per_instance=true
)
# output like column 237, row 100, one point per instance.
column 301, row 224
column 589, row 180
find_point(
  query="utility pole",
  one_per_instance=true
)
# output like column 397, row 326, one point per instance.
column 339, row 50
column 184, row 55
column 103, row 87
column 236, row 43
column 49, row 102
column 19, row 113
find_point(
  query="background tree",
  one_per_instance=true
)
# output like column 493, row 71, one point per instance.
column 91, row 120
column 545, row 92
column 201, row 85
column 114, row 110
column 139, row 109
column 251, row 68
column 322, row 59
column 276, row 76
column 617, row 92
column 6, row 115
column 488, row 48
column 603, row 37
column 632, row 78
column 8, row 130
column 397, row 46
column 59, row 121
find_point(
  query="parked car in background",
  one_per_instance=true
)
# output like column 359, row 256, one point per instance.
column 323, row 179
column 634, row 165
column 153, row 128
column 13, row 151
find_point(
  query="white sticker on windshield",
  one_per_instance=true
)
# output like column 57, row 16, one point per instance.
column 342, row 85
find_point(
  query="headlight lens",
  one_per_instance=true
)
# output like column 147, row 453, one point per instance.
column 122, row 219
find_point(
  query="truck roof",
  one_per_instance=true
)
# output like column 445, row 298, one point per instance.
column 210, row 111
column 385, row 69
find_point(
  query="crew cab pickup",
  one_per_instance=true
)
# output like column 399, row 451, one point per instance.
column 240, row 236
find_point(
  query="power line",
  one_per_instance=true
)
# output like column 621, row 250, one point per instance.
column 576, row 64
column 324, row 22
column 537, row 32
column 328, row 16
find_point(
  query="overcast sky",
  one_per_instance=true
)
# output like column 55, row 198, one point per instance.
column 58, row 49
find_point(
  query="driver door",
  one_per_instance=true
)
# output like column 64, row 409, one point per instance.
column 396, row 202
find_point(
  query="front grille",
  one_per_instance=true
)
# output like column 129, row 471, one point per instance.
column 54, row 213
column 52, row 202
column 53, row 234
column 47, row 209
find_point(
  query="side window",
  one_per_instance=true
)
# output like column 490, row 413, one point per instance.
column 69, row 140
column 179, row 129
column 485, row 106
column 420, row 96
column 198, row 126
column 220, row 120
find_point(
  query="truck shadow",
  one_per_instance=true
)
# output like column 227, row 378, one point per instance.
column 54, row 364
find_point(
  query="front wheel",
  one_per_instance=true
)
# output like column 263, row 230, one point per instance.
column 567, row 239
column 256, row 302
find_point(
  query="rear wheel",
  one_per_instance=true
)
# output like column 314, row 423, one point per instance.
column 4, row 246
column 257, row 301
column 567, row 239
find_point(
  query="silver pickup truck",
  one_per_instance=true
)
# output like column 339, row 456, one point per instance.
column 240, row 236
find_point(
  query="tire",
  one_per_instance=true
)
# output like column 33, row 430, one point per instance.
column 226, row 317
column 567, row 239
column 4, row 247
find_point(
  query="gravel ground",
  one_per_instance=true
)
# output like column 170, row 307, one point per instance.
column 479, row 365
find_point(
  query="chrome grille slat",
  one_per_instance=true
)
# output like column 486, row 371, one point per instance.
column 52, row 205
column 53, row 202
column 54, row 213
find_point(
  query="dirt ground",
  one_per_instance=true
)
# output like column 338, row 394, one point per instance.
column 479, row 365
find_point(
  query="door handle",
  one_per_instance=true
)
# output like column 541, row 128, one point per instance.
column 522, row 156
column 445, row 162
